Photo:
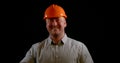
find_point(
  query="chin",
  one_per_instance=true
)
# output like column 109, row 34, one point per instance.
column 55, row 33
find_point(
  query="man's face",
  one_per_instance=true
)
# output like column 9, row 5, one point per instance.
column 55, row 26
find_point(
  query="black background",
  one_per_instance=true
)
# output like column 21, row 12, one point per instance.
column 85, row 23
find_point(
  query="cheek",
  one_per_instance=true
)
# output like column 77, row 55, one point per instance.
column 48, row 26
column 63, row 25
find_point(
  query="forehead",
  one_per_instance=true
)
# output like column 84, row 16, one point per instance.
column 56, row 18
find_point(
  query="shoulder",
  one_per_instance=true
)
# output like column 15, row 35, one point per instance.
column 39, row 45
column 76, row 43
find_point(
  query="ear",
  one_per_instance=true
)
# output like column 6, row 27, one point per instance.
column 65, row 23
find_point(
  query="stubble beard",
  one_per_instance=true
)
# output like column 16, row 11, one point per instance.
column 55, row 33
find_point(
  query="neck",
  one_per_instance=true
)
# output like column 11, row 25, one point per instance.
column 57, row 38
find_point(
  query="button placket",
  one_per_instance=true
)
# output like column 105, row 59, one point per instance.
column 56, row 53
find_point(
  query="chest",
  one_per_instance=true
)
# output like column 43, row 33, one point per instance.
column 62, row 54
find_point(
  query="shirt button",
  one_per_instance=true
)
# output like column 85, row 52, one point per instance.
column 53, row 49
column 56, row 56
column 56, row 46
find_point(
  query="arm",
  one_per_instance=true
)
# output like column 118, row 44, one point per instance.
column 85, row 56
column 29, row 58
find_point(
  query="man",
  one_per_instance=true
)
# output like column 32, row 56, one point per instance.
column 57, row 48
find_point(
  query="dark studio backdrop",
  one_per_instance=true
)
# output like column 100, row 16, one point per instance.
column 85, row 23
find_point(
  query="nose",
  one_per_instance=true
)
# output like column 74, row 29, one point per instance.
column 54, row 23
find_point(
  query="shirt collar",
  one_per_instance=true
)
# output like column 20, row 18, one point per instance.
column 64, row 39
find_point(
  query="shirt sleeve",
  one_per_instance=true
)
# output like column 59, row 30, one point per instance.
column 29, row 57
column 85, row 56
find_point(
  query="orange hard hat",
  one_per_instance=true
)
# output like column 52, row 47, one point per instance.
column 54, row 11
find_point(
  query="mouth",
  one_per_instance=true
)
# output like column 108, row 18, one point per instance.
column 54, row 29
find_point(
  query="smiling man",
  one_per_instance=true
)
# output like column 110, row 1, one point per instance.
column 58, row 47
column 55, row 27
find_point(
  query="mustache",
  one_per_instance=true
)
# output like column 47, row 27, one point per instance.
column 54, row 27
